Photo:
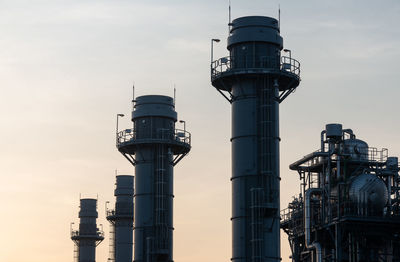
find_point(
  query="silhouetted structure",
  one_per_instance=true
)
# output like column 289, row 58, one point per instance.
column 121, row 221
column 349, row 205
column 254, row 78
column 88, row 236
column 154, row 147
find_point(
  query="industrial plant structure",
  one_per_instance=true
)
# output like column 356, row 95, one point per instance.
column 121, row 221
column 88, row 236
column 255, row 78
column 349, row 205
column 154, row 147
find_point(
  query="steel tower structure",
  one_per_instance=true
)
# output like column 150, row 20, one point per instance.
column 154, row 147
column 88, row 236
column 254, row 78
column 121, row 221
column 348, row 209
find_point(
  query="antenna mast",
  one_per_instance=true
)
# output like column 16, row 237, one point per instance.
column 279, row 17
column 133, row 95
column 174, row 95
column 229, row 25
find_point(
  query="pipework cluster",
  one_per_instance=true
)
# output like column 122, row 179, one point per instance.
column 349, row 205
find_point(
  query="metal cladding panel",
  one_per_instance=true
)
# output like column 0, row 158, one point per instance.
column 244, row 154
column 255, row 29
column 153, row 106
column 247, row 124
column 87, row 252
column 88, row 208
column 144, row 191
column 124, row 185
column 123, row 243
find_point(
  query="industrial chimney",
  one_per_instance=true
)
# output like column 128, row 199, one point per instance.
column 154, row 147
column 121, row 221
column 88, row 236
column 254, row 78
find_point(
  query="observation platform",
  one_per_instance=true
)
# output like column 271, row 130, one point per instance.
column 112, row 215
column 178, row 140
column 226, row 70
column 76, row 236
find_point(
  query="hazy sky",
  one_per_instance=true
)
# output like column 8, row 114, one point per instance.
column 66, row 70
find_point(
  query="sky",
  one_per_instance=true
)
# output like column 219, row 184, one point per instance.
column 67, row 69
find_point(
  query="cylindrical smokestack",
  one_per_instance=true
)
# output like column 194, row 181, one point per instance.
column 257, row 79
column 88, row 236
column 121, row 219
column 154, row 146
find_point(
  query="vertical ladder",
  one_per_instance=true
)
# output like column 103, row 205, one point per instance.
column 76, row 252
column 160, row 199
column 266, row 139
column 256, row 207
column 111, row 256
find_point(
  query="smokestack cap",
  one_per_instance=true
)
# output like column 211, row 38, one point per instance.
column 255, row 29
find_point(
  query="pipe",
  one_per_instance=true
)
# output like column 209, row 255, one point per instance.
column 322, row 140
column 390, row 193
column 307, row 221
column 350, row 132
column 308, row 157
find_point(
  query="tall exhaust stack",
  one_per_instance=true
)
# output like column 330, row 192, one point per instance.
column 254, row 78
column 121, row 221
column 154, row 147
column 88, row 236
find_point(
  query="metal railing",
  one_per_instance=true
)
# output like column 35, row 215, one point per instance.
column 342, row 209
column 76, row 233
column 110, row 212
column 371, row 154
column 377, row 155
column 288, row 214
column 177, row 135
column 293, row 220
column 228, row 63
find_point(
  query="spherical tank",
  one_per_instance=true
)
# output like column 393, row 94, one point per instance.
column 370, row 191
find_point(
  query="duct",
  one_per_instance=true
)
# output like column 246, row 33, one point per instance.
column 350, row 132
column 296, row 165
column 323, row 132
column 307, row 222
